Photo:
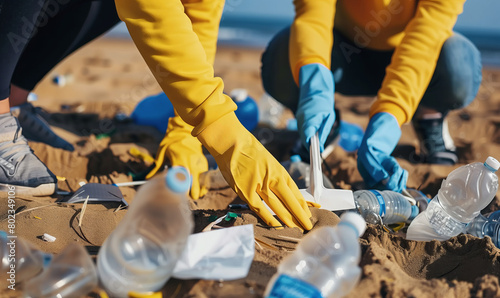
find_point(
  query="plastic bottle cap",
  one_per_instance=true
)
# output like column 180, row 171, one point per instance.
column 239, row 95
column 178, row 179
column 355, row 220
column 295, row 158
column 492, row 164
column 414, row 212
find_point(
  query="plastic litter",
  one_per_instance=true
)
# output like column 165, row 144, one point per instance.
column 219, row 254
column 421, row 200
column 70, row 274
column 28, row 260
column 154, row 110
column 486, row 225
column 248, row 111
column 32, row 97
column 141, row 253
column 350, row 136
column 270, row 111
column 301, row 171
column 463, row 194
column 63, row 80
column 48, row 238
column 391, row 206
column 324, row 263
column 330, row 199
column 96, row 192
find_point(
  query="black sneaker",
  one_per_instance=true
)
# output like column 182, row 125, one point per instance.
column 20, row 170
column 436, row 144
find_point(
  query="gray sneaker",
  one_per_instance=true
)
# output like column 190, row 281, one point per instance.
column 20, row 170
column 35, row 128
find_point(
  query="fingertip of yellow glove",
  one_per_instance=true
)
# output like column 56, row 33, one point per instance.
column 203, row 191
column 313, row 204
column 307, row 225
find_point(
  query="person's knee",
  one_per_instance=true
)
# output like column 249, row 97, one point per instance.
column 459, row 66
column 275, row 69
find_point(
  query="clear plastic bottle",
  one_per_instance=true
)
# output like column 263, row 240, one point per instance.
column 141, row 253
column 486, row 225
column 391, row 206
column 270, row 111
column 463, row 194
column 324, row 264
column 21, row 260
column 248, row 111
column 300, row 173
column 72, row 273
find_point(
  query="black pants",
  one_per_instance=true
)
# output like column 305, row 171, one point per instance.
column 35, row 35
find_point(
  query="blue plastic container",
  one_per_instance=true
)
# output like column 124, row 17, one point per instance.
column 154, row 110
column 248, row 111
column 350, row 137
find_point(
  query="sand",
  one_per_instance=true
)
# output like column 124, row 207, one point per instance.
column 110, row 77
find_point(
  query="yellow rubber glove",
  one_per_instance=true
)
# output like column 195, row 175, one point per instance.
column 182, row 149
column 254, row 174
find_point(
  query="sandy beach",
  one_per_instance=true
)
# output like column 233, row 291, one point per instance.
column 110, row 78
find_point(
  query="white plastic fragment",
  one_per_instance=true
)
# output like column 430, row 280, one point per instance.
column 48, row 238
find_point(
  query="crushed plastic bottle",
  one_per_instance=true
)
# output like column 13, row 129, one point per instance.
column 486, row 225
column 324, row 264
column 391, row 206
column 463, row 194
column 300, row 172
column 72, row 273
column 248, row 111
column 141, row 253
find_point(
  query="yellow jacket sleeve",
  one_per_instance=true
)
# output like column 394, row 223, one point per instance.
column 164, row 35
column 414, row 60
column 311, row 35
column 205, row 16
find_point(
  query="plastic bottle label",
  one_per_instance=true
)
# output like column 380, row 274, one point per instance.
column 381, row 202
column 289, row 287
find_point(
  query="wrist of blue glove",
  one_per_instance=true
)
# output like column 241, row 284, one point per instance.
column 375, row 164
column 315, row 109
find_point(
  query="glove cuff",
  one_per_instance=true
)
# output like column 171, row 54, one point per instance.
column 222, row 134
column 316, row 76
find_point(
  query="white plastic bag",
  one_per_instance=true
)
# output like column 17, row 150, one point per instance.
column 220, row 254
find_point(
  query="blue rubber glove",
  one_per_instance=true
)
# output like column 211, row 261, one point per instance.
column 375, row 164
column 315, row 110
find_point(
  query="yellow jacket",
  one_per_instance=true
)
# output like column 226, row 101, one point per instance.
column 416, row 30
column 180, row 58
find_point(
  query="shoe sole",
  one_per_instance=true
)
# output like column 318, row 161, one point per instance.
column 40, row 191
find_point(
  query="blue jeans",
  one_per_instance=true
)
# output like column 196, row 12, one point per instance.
column 360, row 72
